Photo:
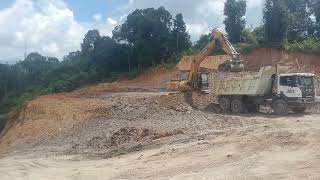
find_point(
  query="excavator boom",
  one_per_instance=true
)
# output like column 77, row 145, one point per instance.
column 234, row 64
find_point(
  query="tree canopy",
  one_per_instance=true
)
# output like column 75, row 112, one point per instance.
column 275, row 22
column 235, row 11
column 153, row 35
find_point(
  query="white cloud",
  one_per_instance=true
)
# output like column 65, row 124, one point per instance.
column 209, row 9
column 198, row 29
column 255, row 3
column 123, row 17
column 47, row 27
column 51, row 48
column 97, row 17
column 112, row 21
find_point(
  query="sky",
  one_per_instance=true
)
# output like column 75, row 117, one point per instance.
column 57, row 27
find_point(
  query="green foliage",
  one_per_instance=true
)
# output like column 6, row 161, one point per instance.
column 89, row 40
column 180, row 34
column 275, row 22
column 203, row 40
column 314, row 6
column 244, row 48
column 235, row 11
column 148, row 31
column 153, row 36
column 10, row 102
column 290, row 20
column 258, row 33
column 309, row 45
column 300, row 24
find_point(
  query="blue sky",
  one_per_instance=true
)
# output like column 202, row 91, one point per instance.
column 84, row 9
column 56, row 27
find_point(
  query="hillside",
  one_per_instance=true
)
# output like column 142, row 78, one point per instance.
column 138, row 125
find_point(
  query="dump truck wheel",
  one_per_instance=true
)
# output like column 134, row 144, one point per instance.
column 224, row 103
column 299, row 110
column 237, row 106
column 280, row 107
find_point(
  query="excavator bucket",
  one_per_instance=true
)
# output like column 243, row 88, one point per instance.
column 177, row 85
column 231, row 66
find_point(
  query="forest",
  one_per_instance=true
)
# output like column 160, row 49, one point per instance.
column 154, row 37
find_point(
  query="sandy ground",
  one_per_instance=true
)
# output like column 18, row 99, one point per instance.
column 270, row 148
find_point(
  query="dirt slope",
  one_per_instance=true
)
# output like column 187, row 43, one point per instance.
column 267, row 56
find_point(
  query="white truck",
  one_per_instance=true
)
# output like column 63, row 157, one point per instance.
column 282, row 92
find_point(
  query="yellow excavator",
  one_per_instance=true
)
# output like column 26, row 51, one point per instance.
column 194, row 78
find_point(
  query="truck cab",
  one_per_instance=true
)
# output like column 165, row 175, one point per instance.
column 293, row 90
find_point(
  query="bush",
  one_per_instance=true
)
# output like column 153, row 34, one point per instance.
column 61, row 86
column 309, row 45
column 244, row 48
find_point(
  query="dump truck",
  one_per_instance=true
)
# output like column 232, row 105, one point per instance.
column 280, row 91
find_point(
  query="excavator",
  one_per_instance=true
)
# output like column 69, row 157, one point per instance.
column 193, row 81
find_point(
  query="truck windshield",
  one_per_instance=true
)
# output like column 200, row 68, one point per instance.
column 306, row 81
column 290, row 81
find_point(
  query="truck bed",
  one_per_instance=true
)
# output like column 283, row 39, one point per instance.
column 245, row 83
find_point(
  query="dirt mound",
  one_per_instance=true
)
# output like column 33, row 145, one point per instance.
column 210, row 63
column 49, row 115
column 154, row 76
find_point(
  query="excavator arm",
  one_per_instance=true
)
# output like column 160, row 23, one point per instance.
column 216, row 37
column 194, row 80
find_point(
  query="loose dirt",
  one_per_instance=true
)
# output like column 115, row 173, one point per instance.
column 134, row 129
column 263, row 147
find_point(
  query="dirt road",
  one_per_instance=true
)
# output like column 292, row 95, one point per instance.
column 261, row 147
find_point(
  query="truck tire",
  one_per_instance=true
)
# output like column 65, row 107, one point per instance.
column 280, row 107
column 237, row 106
column 299, row 110
column 224, row 103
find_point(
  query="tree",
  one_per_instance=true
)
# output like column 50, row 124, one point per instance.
column 275, row 22
column 235, row 22
column 103, row 55
column 87, row 45
column 202, row 41
column 148, row 31
column 314, row 6
column 300, row 24
column 180, row 34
